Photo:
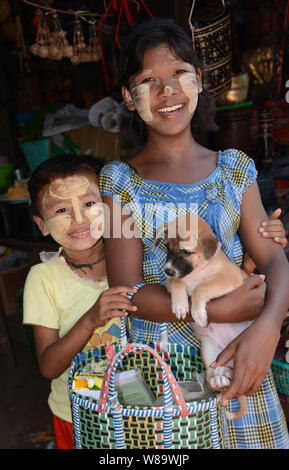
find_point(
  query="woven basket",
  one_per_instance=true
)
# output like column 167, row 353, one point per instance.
column 212, row 44
column 280, row 371
column 105, row 424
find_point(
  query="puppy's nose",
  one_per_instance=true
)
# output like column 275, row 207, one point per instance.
column 170, row 272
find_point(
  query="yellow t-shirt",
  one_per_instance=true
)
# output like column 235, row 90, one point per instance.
column 56, row 297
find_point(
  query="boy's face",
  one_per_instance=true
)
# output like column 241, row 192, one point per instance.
column 72, row 211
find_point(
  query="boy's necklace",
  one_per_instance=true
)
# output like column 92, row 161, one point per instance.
column 85, row 265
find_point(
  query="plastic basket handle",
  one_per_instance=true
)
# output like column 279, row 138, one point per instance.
column 163, row 333
column 191, row 12
column 108, row 392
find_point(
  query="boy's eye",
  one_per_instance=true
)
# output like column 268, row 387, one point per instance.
column 89, row 203
column 59, row 211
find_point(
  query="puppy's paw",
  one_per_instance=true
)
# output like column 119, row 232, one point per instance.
column 220, row 377
column 180, row 309
column 200, row 316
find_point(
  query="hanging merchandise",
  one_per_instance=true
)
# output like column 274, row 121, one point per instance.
column 51, row 42
column 79, row 45
column 262, row 64
column 41, row 46
column 59, row 47
column 94, row 51
column 211, row 34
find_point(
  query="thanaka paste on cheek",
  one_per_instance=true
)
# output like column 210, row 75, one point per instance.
column 58, row 226
column 141, row 97
column 190, row 87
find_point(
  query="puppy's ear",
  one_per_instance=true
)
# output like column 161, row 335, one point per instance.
column 209, row 246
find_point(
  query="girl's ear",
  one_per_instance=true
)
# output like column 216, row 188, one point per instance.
column 41, row 225
column 199, row 80
column 127, row 98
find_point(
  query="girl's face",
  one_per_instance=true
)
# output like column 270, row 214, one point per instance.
column 165, row 92
column 72, row 211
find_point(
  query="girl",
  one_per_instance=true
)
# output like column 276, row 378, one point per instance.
column 162, row 88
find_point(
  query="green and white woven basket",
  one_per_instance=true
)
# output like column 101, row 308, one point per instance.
column 105, row 424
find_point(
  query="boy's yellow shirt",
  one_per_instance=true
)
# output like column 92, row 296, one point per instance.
column 56, row 297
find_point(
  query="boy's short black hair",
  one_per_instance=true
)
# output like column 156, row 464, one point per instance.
column 60, row 166
column 150, row 34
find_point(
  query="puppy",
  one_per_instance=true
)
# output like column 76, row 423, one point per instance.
column 197, row 267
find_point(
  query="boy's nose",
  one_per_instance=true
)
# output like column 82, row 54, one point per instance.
column 79, row 214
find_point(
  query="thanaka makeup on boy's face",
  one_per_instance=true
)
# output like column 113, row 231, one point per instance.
column 67, row 192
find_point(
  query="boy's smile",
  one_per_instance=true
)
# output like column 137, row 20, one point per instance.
column 72, row 211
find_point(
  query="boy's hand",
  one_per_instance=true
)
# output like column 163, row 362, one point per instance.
column 112, row 303
column 273, row 228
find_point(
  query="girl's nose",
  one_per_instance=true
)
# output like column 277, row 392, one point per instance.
column 168, row 89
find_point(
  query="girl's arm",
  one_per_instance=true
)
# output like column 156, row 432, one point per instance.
column 124, row 259
column 254, row 349
column 55, row 354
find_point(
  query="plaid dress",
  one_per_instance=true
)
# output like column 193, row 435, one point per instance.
column 217, row 199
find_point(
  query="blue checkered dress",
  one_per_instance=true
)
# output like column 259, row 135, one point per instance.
column 218, row 200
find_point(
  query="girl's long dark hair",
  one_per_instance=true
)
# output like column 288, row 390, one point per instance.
column 147, row 35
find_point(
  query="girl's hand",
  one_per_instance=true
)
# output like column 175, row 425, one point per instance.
column 252, row 351
column 273, row 228
column 111, row 303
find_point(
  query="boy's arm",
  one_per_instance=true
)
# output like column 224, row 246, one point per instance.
column 55, row 354
column 254, row 349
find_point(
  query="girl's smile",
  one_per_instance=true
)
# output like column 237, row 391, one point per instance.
column 165, row 92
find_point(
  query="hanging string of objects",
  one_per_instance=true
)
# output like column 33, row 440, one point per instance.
column 51, row 41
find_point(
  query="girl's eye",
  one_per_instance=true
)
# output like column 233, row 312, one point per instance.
column 89, row 203
column 180, row 71
column 146, row 80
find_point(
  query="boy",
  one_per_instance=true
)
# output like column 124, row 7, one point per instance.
column 66, row 297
